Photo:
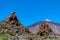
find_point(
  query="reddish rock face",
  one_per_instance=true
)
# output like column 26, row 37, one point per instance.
column 44, row 29
column 26, row 30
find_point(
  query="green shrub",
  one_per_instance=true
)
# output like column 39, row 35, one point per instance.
column 4, row 36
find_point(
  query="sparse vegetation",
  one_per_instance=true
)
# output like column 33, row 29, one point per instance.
column 4, row 36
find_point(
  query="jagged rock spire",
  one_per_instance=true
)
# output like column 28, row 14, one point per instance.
column 12, row 17
column 12, row 25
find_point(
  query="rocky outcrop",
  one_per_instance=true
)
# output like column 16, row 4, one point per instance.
column 45, row 30
column 12, row 26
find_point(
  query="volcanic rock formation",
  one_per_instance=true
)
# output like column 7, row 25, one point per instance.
column 12, row 26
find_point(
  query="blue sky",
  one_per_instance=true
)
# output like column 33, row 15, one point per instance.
column 31, row 11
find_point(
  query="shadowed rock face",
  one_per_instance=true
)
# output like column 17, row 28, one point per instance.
column 53, row 26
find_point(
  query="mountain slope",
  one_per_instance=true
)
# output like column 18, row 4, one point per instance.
column 35, row 28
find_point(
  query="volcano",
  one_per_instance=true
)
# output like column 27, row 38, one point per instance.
column 45, row 26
